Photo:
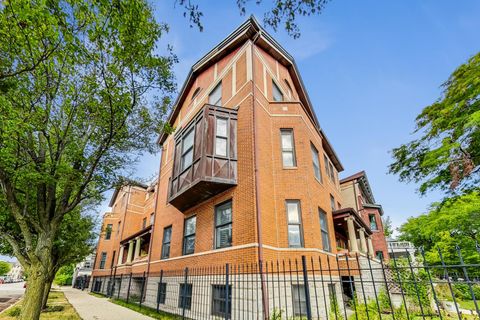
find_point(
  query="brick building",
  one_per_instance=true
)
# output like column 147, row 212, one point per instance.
column 247, row 176
column 357, row 194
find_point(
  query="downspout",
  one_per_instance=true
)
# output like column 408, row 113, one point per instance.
column 154, row 220
column 123, row 224
column 257, row 189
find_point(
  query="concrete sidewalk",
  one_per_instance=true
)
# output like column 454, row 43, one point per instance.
column 93, row 308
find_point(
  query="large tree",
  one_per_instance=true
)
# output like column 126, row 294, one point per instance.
column 455, row 222
column 446, row 155
column 277, row 13
column 83, row 90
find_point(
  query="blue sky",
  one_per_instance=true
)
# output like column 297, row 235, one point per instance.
column 369, row 67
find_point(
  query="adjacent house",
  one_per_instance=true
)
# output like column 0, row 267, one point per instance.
column 247, row 177
column 83, row 272
column 357, row 195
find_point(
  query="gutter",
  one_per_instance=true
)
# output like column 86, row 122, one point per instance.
column 258, row 206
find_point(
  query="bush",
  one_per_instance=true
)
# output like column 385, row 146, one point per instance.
column 63, row 279
column 462, row 291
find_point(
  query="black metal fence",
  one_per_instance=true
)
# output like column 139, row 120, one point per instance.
column 315, row 287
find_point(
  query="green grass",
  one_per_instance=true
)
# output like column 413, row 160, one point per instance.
column 145, row 310
column 467, row 304
column 98, row 295
column 58, row 308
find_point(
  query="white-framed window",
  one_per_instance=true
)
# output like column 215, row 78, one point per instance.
column 288, row 148
column 316, row 163
column 221, row 137
column 189, row 235
column 294, row 219
column 324, row 228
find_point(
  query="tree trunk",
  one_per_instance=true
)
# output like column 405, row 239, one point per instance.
column 32, row 303
column 46, row 291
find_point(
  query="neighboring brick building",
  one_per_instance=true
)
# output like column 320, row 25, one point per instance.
column 247, row 176
column 357, row 194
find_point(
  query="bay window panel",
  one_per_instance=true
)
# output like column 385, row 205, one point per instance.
column 221, row 146
column 222, row 127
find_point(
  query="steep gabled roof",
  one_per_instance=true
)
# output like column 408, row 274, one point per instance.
column 252, row 30
column 362, row 179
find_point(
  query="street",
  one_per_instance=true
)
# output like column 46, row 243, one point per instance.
column 10, row 293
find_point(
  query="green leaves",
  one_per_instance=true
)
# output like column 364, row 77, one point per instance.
column 83, row 91
column 454, row 222
column 446, row 155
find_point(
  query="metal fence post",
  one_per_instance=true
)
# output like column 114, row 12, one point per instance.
column 158, row 291
column 465, row 274
column 143, row 288
column 184, row 292
column 119, row 287
column 129, row 285
column 307, row 289
column 226, row 291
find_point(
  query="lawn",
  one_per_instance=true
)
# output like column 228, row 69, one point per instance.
column 467, row 304
column 145, row 310
column 58, row 308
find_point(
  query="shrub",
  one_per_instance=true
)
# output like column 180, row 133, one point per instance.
column 63, row 279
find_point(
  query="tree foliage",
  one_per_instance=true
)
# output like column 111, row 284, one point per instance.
column 453, row 223
column 64, row 275
column 280, row 13
column 447, row 153
column 83, row 90
column 4, row 267
column 387, row 226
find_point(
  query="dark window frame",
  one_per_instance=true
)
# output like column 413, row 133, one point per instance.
column 195, row 93
column 217, row 227
column 374, row 226
column 221, row 300
column 213, row 90
column 190, row 235
column 162, row 292
column 300, row 306
column 164, row 244
column 108, row 231
column 189, row 149
column 185, row 295
column 332, row 203
column 144, row 222
column 279, row 91
column 292, row 150
column 103, row 260
column 299, row 223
